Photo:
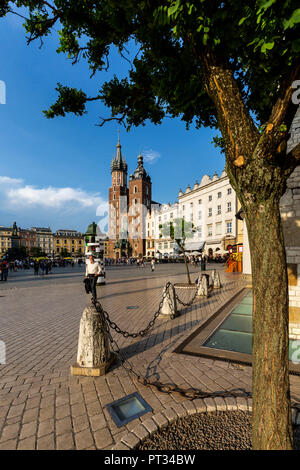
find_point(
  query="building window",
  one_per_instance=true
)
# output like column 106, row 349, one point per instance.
column 219, row 228
column 200, row 215
column 218, row 210
column 171, row 215
column 228, row 206
column 200, row 232
column 210, row 212
column 228, row 227
column 229, row 191
column 209, row 230
column 210, row 198
column 165, row 244
column 219, row 195
column 200, row 201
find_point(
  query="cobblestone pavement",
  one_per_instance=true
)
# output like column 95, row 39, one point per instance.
column 43, row 407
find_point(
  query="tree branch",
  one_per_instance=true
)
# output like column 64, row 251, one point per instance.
column 120, row 120
column 234, row 120
column 284, row 105
column 282, row 113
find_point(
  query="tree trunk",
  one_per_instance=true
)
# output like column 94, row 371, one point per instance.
column 187, row 269
column 272, row 423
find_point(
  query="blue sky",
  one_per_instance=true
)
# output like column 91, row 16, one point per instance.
column 57, row 172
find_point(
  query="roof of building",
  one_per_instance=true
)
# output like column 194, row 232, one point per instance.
column 140, row 172
column 118, row 163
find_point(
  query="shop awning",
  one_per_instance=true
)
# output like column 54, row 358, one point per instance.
column 191, row 246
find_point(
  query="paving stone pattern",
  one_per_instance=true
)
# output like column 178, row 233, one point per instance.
column 43, row 407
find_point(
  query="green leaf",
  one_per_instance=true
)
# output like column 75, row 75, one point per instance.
column 266, row 5
column 173, row 8
column 294, row 19
column 267, row 46
column 242, row 20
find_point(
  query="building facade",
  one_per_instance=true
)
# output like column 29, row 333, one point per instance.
column 211, row 207
column 129, row 204
column 69, row 241
column 5, row 239
column 44, row 239
column 165, row 216
column 28, row 239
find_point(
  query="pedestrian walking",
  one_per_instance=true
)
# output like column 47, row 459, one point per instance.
column 152, row 263
column 36, row 267
column 4, row 271
column 93, row 269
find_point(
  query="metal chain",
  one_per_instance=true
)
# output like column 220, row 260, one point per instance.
column 189, row 393
column 146, row 330
column 190, row 302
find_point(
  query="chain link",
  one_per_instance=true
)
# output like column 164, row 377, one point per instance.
column 146, row 330
column 188, row 393
column 190, row 302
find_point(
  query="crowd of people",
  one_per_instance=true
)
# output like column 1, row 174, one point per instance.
column 44, row 266
column 192, row 259
column 39, row 266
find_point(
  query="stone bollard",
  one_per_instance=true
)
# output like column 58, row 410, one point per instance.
column 216, row 279
column 169, row 306
column 94, row 356
column 202, row 290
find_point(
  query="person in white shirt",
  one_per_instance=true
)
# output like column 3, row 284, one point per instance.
column 92, row 272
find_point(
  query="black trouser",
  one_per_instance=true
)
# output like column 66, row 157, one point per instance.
column 93, row 282
column 4, row 274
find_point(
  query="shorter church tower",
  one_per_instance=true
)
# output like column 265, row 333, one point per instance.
column 139, row 204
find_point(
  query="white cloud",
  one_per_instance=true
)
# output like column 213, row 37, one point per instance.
column 52, row 197
column 6, row 180
column 150, row 155
column 21, row 200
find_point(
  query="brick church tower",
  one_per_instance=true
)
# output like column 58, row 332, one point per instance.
column 118, row 207
column 128, row 207
column 140, row 189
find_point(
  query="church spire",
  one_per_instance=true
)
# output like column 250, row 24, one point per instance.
column 119, row 154
column 119, row 163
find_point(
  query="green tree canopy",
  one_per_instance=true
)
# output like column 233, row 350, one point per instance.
column 257, row 39
column 178, row 229
column 37, row 252
column 13, row 254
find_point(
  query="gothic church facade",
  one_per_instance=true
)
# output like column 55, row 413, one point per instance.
column 129, row 202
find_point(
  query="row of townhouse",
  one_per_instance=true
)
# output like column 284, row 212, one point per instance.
column 210, row 207
column 43, row 238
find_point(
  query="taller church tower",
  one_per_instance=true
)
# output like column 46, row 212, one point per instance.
column 118, row 206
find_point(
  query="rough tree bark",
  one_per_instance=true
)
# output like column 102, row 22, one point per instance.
column 258, row 168
column 272, row 428
column 185, row 260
